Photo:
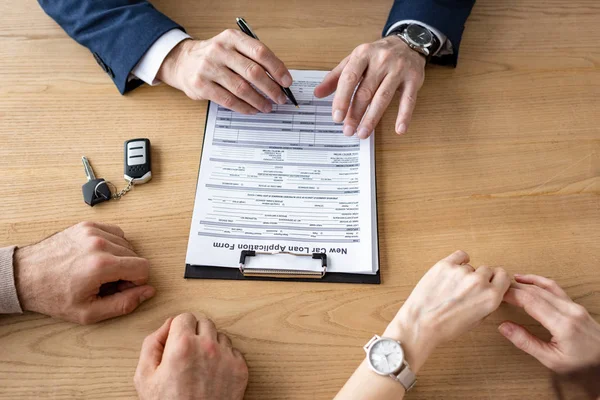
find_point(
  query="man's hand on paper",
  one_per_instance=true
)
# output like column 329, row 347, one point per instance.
column 376, row 71
column 188, row 359
column 84, row 274
column 221, row 69
column 575, row 339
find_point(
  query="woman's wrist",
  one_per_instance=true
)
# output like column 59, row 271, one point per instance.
column 416, row 342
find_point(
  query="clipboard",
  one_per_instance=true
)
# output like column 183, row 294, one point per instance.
column 253, row 271
column 282, row 275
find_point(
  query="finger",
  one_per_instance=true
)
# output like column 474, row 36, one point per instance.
column 153, row 347
column 118, row 240
column 459, row 257
column 260, row 53
column 255, row 74
column 113, row 229
column 224, row 340
column 543, row 283
column 559, row 302
column 501, row 280
column 524, row 340
column 124, row 285
column 239, row 354
column 330, row 82
column 536, row 306
column 349, row 80
column 113, row 269
column 207, row 328
column 241, row 89
column 362, row 98
column 185, row 323
column 227, row 99
column 468, row 267
column 118, row 304
column 486, row 272
column 408, row 100
column 381, row 101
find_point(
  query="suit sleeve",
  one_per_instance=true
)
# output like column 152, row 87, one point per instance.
column 447, row 16
column 117, row 32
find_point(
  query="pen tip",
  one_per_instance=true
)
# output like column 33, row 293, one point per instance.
column 297, row 106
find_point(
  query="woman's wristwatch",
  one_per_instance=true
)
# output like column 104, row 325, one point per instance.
column 418, row 38
column 385, row 357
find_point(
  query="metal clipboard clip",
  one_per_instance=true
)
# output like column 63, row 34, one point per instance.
column 280, row 272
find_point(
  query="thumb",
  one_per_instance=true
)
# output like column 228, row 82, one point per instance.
column 153, row 348
column 525, row 341
column 120, row 303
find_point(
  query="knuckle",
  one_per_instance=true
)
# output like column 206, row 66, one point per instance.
column 350, row 77
column 97, row 243
column 199, row 81
column 411, row 99
column 86, row 225
column 385, row 56
column 230, row 33
column 578, row 312
column 227, row 101
column 362, row 49
column 86, row 317
column 240, row 368
column 100, row 261
column 242, row 88
column 387, row 94
column 364, row 94
column 128, row 306
column 260, row 51
column 209, row 347
column 184, row 347
column 253, row 71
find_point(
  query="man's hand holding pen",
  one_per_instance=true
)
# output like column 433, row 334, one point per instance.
column 222, row 68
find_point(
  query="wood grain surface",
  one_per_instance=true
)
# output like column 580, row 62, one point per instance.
column 501, row 160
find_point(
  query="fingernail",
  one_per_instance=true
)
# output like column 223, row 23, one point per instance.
column 282, row 99
column 338, row 116
column 363, row 132
column 517, row 275
column 146, row 295
column 348, row 130
column 401, row 129
column 268, row 108
column 287, row 81
column 506, row 329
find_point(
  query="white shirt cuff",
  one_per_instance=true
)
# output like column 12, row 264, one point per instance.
column 446, row 46
column 150, row 63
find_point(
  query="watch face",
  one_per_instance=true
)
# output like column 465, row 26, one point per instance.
column 386, row 356
column 421, row 36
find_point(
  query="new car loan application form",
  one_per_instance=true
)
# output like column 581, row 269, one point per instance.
column 288, row 180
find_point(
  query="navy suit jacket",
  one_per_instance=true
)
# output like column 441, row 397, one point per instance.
column 119, row 32
column 447, row 16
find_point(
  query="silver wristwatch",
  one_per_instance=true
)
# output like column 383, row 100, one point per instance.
column 418, row 38
column 386, row 357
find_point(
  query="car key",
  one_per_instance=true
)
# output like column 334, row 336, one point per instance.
column 95, row 191
column 137, row 161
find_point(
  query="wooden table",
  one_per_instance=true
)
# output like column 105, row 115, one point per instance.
column 502, row 161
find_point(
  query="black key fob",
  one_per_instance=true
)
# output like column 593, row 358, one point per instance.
column 137, row 161
column 96, row 191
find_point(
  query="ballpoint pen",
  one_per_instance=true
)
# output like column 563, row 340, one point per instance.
column 248, row 31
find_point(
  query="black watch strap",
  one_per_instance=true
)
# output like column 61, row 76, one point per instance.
column 435, row 47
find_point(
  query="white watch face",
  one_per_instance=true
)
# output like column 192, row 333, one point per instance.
column 386, row 356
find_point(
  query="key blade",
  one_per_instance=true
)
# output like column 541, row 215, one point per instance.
column 89, row 172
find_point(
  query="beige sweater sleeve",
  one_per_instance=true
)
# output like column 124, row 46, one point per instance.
column 9, row 302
